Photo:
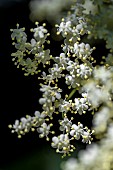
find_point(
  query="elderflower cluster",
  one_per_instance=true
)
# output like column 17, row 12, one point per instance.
column 89, row 88
column 96, row 156
column 35, row 47
column 74, row 61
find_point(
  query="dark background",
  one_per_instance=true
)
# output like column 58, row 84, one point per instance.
column 19, row 96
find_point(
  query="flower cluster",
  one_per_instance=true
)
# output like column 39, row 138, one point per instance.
column 35, row 47
column 52, row 102
column 95, row 156
column 75, row 68
column 70, row 132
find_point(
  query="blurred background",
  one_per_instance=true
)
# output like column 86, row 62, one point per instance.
column 19, row 97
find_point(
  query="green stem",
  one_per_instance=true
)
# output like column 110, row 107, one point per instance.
column 72, row 93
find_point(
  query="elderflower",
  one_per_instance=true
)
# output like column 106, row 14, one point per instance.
column 89, row 85
column 52, row 101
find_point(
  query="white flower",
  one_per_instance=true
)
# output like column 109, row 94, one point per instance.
column 80, row 105
column 65, row 124
column 43, row 130
column 76, row 131
column 39, row 32
column 65, row 106
column 64, row 27
column 39, row 115
column 84, row 71
column 86, row 137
